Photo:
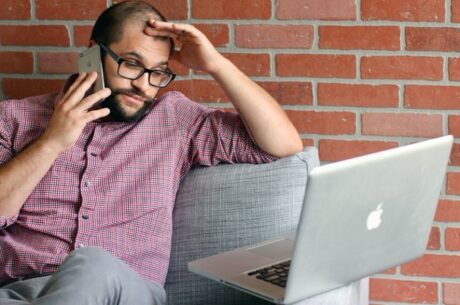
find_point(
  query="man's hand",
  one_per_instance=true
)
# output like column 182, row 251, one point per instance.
column 72, row 113
column 194, row 48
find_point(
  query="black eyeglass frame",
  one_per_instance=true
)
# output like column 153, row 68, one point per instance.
column 120, row 60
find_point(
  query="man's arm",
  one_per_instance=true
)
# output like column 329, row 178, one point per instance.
column 20, row 175
column 265, row 120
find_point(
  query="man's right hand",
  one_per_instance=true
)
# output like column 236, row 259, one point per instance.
column 73, row 112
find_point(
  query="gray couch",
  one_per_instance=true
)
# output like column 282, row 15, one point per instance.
column 228, row 206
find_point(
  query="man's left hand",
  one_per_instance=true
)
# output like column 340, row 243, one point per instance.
column 193, row 47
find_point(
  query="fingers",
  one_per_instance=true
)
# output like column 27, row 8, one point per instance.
column 169, row 29
column 74, row 85
column 78, row 89
column 93, row 99
column 96, row 114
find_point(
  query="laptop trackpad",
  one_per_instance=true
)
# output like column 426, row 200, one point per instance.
column 276, row 249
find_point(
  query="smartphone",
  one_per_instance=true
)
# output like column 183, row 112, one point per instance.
column 90, row 60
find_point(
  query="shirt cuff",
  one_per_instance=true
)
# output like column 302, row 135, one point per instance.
column 7, row 221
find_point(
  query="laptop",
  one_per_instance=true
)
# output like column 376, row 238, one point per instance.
column 359, row 216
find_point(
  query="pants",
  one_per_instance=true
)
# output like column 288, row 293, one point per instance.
column 88, row 276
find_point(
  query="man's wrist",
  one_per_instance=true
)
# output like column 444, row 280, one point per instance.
column 48, row 147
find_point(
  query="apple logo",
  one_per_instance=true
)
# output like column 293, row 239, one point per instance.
column 375, row 218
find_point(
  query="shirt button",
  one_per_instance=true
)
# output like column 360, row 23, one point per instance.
column 87, row 183
column 85, row 216
column 94, row 154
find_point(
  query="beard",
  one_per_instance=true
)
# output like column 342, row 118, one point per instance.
column 117, row 113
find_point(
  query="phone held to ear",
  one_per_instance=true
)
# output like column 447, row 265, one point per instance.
column 90, row 60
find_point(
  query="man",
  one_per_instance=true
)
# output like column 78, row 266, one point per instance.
column 87, row 189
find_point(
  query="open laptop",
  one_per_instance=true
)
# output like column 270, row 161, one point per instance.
column 359, row 216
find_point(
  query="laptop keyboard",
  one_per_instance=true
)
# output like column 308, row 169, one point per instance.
column 276, row 274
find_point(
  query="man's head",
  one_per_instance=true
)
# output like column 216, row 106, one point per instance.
column 120, row 28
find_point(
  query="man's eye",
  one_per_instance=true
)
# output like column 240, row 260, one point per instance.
column 131, row 64
column 158, row 72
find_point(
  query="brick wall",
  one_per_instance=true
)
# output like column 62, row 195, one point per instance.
column 355, row 76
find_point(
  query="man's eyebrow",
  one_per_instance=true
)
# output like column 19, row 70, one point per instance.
column 142, row 58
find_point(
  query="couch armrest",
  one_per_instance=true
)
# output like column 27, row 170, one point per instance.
column 228, row 206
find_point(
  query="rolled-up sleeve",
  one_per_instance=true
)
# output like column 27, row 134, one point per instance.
column 7, row 221
column 6, row 152
column 215, row 136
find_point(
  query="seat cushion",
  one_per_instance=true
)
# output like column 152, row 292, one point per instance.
column 228, row 206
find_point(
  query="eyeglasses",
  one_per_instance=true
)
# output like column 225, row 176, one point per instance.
column 131, row 70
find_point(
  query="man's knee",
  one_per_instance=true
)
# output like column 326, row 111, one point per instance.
column 95, row 261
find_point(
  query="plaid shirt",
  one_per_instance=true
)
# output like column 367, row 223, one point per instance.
column 116, row 187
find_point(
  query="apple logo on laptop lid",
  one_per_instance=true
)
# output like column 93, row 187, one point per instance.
column 375, row 218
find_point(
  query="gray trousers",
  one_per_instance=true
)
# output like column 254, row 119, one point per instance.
column 89, row 276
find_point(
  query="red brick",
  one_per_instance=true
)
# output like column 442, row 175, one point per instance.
column 432, row 39
column 58, row 62
column 290, row 93
column 317, row 9
column 402, row 124
column 453, row 239
column 69, row 9
column 360, row 37
column 451, row 292
column 178, row 68
column 170, row 9
column 358, row 95
column 251, row 64
column 336, row 150
column 334, row 123
column 454, row 125
column 199, row 90
column 389, row 290
column 237, row 9
column 434, row 242
column 455, row 10
column 20, row 88
column 390, row 271
column 274, row 36
column 432, row 97
column 448, row 211
column 454, row 69
column 316, row 65
column 308, row 142
column 82, row 35
column 455, row 155
column 15, row 9
column 218, row 34
column 16, row 62
column 403, row 10
column 34, row 35
column 453, row 183
column 433, row 265
column 402, row 67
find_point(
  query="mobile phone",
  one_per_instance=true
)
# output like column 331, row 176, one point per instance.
column 90, row 60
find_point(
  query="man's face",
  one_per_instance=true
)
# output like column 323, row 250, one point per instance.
column 130, row 99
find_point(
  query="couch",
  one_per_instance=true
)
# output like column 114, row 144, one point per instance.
column 229, row 206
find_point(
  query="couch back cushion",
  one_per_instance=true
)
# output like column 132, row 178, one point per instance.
column 228, row 206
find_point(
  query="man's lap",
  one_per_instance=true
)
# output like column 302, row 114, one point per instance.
column 87, row 276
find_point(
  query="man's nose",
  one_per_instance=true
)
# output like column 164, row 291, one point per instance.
column 142, row 83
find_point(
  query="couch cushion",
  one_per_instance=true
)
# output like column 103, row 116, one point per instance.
column 228, row 206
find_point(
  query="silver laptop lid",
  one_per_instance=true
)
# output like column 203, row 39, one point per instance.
column 366, row 214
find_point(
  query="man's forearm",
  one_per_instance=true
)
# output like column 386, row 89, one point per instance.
column 268, row 124
column 20, row 175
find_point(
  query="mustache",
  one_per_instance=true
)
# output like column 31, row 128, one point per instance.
column 131, row 92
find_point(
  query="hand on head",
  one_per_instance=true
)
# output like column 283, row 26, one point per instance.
column 193, row 48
